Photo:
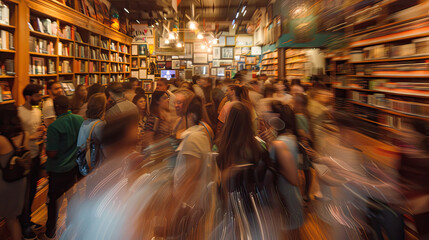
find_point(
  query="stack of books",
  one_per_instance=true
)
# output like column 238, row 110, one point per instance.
column 6, row 40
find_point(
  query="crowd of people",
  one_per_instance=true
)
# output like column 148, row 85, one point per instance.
column 207, row 159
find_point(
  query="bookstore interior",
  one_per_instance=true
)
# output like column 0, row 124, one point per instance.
column 372, row 55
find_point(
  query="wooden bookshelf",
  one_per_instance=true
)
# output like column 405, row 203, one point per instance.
column 269, row 64
column 61, row 15
column 293, row 57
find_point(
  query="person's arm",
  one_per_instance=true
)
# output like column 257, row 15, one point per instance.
column 286, row 162
column 48, row 121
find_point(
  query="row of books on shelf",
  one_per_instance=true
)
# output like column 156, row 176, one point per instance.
column 417, row 47
column 5, row 92
column 65, row 67
column 269, row 67
column 394, row 69
column 384, row 119
column 46, row 25
column 7, row 67
column 294, row 52
column 94, row 40
column 113, row 46
column 85, row 66
column 269, row 61
column 421, row 88
column 296, row 59
column 270, row 55
column 64, row 49
column 67, row 32
column 4, row 13
column 270, row 72
column 123, row 48
column 91, row 79
column 39, row 45
column 120, row 68
column 6, row 40
column 114, row 57
column 380, row 100
column 40, row 65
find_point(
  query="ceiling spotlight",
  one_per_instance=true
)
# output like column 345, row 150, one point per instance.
column 151, row 25
column 126, row 10
column 179, row 45
column 137, row 21
column 209, row 50
column 193, row 25
column 244, row 8
column 238, row 13
column 244, row 13
column 233, row 26
column 203, row 46
column 156, row 23
column 214, row 41
column 233, row 22
column 167, row 41
column 200, row 36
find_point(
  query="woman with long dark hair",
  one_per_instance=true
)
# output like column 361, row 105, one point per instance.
column 12, row 193
column 79, row 99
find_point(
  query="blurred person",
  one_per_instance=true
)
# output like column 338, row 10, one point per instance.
column 296, row 89
column 172, row 87
column 94, row 122
column 254, row 92
column 130, row 88
column 119, row 105
column 281, row 87
column 263, row 77
column 140, row 100
column 31, row 121
column 295, row 81
column 158, row 124
column 93, row 89
column 199, row 86
column 48, row 111
column 187, row 85
column 79, row 99
column 300, row 103
column 61, row 163
column 413, row 171
column 218, row 93
column 236, row 93
column 162, row 85
column 12, row 194
column 209, row 105
column 284, row 151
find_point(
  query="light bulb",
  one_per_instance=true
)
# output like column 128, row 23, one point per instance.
column 171, row 36
column 233, row 26
column 156, row 23
column 238, row 13
column 137, row 21
column 193, row 25
column 203, row 46
column 242, row 10
column 126, row 10
column 167, row 41
column 200, row 36
column 179, row 45
column 209, row 50
column 244, row 13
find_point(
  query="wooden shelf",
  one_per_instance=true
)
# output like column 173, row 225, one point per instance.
column 391, row 111
column 61, row 56
column 387, row 76
column 385, row 91
column 65, row 73
column 300, row 61
column 105, row 49
column 43, row 54
column 399, row 36
column 294, row 74
column 6, row 26
column 7, row 76
column 65, row 39
column 392, row 59
column 82, row 43
column 80, row 58
column 43, row 35
column 94, row 46
column 104, row 61
column 7, row 102
column 296, row 55
column 367, row 120
column 42, row 75
column 7, row 51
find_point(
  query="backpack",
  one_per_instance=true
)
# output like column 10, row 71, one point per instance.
column 89, row 154
column 19, row 163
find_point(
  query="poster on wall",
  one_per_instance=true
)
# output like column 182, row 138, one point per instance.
column 200, row 57
column 227, row 53
column 188, row 50
column 142, row 33
column 244, row 41
column 216, row 52
column 256, row 51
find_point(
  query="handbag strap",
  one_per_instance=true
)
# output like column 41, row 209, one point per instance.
column 13, row 144
column 88, row 145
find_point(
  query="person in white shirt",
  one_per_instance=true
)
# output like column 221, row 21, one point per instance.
column 31, row 120
column 48, row 111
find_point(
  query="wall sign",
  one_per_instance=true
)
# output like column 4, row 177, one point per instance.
column 142, row 33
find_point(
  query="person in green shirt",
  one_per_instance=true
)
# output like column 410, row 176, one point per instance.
column 61, row 164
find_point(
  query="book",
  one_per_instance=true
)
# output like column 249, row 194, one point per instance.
column 5, row 92
column 47, row 26
column 10, row 67
column 4, row 13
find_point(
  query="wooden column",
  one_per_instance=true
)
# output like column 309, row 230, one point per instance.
column 22, row 59
column 281, row 63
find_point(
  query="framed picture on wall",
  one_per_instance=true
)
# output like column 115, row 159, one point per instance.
column 148, row 86
column 142, row 73
column 237, row 51
column 210, row 57
column 221, row 72
column 222, row 41
column 201, row 70
column 135, row 74
column 161, row 65
column 176, row 64
column 189, row 64
column 241, row 66
column 245, row 50
column 188, row 50
column 216, row 52
column 227, row 53
column 160, row 58
column 200, row 58
column 251, row 60
column 143, row 63
column 182, row 63
column 134, row 62
column 216, row 63
column 168, row 58
column 213, row 71
column 228, row 74
column 200, row 47
column 230, row 41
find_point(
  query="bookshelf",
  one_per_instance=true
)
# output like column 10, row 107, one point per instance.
column 387, row 82
column 269, row 64
column 8, row 60
column 51, row 53
column 296, row 64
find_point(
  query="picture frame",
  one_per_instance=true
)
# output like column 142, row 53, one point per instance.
column 135, row 74
column 228, row 74
column 251, row 60
column 142, row 73
column 227, row 53
column 160, row 58
column 210, row 57
column 189, row 64
column 256, row 50
column 198, row 47
column 134, row 62
column 188, row 50
column 237, row 51
column 221, row 72
column 213, row 71
column 200, row 58
column 161, row 65
column 244, row 41
column 182, row 64
column 168, row 65
column 242, row 59
column 201, row 70
column 225, row 62
column 216, row 63
column 222, row 41
column 237, row 58
column 175, row 64
column 148, row 86
column 216, row 52
column 143, row 63
column 134, row 50
column 245, row 50
column 241, row 66
column 230, row 41
column 142, row 50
